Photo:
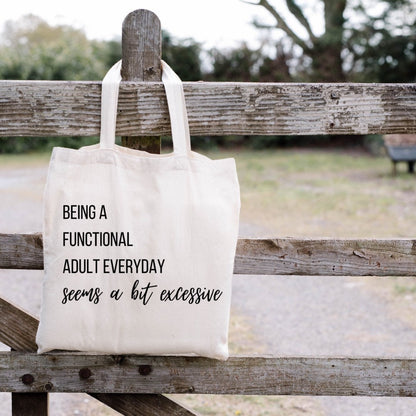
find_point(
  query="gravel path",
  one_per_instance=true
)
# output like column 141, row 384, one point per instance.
column 290, row 315
column 336, row 316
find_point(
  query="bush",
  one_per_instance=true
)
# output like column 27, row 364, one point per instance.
column 28, row 144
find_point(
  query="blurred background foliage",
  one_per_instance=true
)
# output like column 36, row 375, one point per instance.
column 359, row 41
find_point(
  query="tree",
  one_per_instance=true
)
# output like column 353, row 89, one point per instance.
column 384, row 45
column 276, row 68
column 32, row 49
column 345, row 45
column 108, row 52
column 183, row 55
column 237, row 64
column 324, row 50
column 245, row 64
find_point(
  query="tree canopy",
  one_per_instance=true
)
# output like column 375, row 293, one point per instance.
column 359, row 37
column 32, row 49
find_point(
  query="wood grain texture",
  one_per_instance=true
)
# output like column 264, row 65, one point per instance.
column 141, row 47
column 46, row 108
column 280, row 256
column 326, row 257
column 17, row 328
column 30, row 404
column 237, row 375
column 141, row 55
column 21, row 251
column 143, row 404
column 18, row 331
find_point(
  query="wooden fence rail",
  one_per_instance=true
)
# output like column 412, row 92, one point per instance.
column 71, row 372
column 46, row 108
column 273, row 256
column 18, row 331
column 127, row 374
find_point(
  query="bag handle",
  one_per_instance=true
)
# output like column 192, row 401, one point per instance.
column 176, row 104
column 109, row 99
column 177, row 110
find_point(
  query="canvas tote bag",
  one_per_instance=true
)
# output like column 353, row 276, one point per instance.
column 138, row 248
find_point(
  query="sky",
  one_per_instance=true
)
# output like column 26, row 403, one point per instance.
column 221, row 23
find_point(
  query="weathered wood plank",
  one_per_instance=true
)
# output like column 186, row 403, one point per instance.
column 143, row 404
column 141, row 54
column 23, row 404
column 45, row 108
column 59, row 372
column 17, row 328
column 141, row 47
column 21, row 251
column 326, row 257
column 18, row 331
column 280, row 256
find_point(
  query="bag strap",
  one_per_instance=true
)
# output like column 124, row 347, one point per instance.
column 177, row 110
column 176, row 104
column 109, row 99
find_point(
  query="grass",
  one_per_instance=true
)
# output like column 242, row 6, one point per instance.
column 215, row 405
column 324, row 194
column 405, row 288
column 27, row 160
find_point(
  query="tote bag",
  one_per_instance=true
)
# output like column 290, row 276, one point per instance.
column 138, row 248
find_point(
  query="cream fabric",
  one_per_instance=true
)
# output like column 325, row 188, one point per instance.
column 158, row 232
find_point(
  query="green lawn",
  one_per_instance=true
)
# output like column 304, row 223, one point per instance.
column 324, row 194
column 28, row 160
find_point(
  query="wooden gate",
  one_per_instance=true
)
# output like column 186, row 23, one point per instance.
column 134, row 385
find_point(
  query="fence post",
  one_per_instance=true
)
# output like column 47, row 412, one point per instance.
column 141, row 54
column 30, row 404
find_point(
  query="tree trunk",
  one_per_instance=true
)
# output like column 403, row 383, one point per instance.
column 326, row 51
column 326, row 63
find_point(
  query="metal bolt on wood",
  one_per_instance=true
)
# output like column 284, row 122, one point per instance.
column 85, row 373
column 118, row 359
column 48, row 386
column 28, row 379
column 145, row 370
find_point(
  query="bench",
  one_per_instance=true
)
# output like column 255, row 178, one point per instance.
column 401, row 148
